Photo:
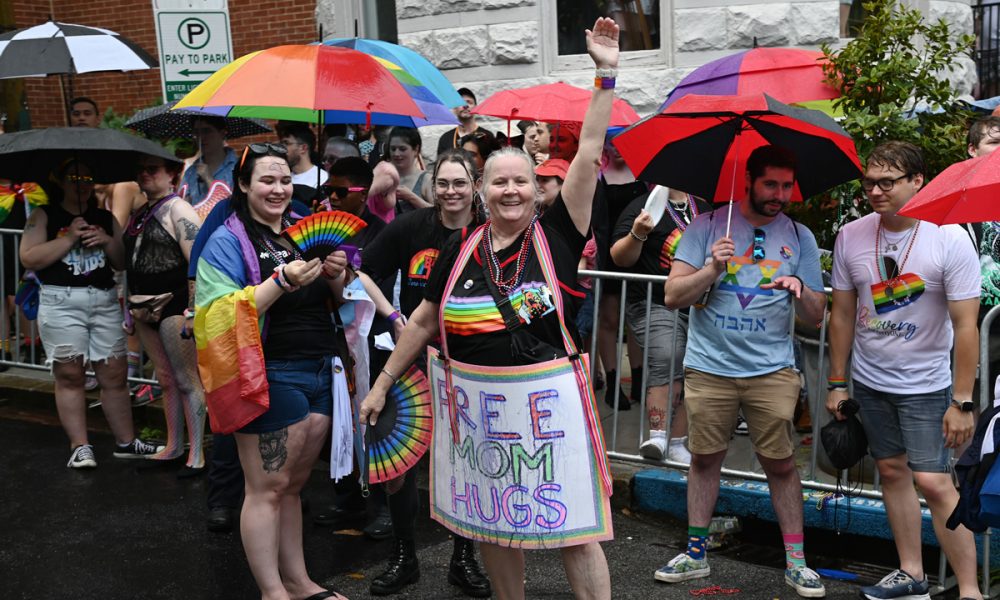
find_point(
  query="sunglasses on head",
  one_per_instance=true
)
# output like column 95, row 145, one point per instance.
column 759, row 236
column 263, row 149
column 338, row 191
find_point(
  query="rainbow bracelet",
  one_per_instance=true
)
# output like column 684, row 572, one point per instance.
column 836, row 383
column 604, row 83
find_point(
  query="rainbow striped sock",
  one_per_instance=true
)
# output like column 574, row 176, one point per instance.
column 697, row 538
column 795, row 556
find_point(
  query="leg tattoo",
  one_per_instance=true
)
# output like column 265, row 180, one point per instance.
column 657, row 418
column 273, row 452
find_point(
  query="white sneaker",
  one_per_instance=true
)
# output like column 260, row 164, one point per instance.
column 682, row 568
column 677, row 452
column 82, row 457
column 655, row 448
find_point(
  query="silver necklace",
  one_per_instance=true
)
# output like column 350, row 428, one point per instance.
column 894, row 246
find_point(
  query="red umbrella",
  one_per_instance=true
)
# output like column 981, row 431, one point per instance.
column 551, row 103
column 700, row 145
column 965, row 192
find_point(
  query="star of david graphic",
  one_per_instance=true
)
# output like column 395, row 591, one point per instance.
column 730, row 283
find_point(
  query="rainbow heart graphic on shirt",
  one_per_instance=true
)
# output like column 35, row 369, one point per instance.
column 422, row 263
column 897, row 292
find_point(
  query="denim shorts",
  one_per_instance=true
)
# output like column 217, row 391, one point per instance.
column 906, row 424
column 297, row 388
column 78, row 322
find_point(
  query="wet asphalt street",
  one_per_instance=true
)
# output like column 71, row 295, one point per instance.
column 124, row 531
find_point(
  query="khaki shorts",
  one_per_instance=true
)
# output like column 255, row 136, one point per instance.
column 768, row 403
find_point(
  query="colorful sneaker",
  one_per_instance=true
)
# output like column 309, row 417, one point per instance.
column 142, row 395
column 82, row 457
column 682, row 568
column 655, row 448
column 137, row 449
column 805, row 581
column 899, row 585
column 678, row 452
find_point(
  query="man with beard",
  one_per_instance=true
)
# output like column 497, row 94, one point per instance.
column 739, row 352
column 466, row 122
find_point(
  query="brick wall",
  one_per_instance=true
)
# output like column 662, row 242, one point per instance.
column 255, row 24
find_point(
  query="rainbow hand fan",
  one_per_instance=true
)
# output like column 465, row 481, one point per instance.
column 321, row 233
column 402, row 433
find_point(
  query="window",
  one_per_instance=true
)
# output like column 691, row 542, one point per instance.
column 641, row 25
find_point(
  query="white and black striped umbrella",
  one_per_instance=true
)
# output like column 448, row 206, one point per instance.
column 54, row 48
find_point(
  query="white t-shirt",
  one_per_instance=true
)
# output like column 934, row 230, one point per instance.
column 903, row 334
column 309, row 177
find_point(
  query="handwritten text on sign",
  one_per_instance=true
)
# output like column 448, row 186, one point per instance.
column 522, row 473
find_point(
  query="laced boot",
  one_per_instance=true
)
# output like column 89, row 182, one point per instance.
column 464, row 570
column 403, row 570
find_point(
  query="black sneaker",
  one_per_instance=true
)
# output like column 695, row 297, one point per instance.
column 82, row 457
column 137, row 449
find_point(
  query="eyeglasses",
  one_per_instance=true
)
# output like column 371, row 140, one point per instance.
column 759, row 236
column 264, row 148
column 459, row 185
column 885, row 185
column 148, row 169
column 79, row 178
column 339, row 191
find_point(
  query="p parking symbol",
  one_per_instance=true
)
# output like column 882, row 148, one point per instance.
column 194, row 33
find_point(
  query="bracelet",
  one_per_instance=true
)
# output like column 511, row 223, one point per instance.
column 282, row 281
column 637, row 237
column 394, row 315
column 836, row 383
column 802, row 284
column 604, row 83
column 391, row 376
column 188, row 313
column 609, row 73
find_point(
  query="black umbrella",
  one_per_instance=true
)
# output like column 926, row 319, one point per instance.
column 161, row 122
column 112, row 155
column 54, row 48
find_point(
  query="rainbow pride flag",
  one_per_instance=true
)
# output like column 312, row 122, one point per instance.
column 32, row 193
column 896, row 293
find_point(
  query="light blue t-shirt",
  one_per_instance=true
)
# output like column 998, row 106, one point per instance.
column 196, row 188
column 744, row 331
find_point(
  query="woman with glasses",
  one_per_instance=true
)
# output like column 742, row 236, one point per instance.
column 158, row 241
column 74, row 248
column 267, row 345
column 410, row 246
column 508, row 259
column 404, row 154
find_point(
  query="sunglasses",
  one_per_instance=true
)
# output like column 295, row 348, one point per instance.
column 79, row 178
column 263, row 149
column 148, row 169
column 758, row 244
column 338, row 191
column 890, row 268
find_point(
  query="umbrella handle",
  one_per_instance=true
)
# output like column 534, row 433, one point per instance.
column 732, row 181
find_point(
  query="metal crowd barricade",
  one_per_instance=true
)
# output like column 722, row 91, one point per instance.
column 18, row 353
column 816, row 387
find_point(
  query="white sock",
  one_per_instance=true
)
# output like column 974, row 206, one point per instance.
column 657, row 433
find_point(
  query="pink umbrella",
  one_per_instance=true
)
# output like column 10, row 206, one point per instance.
column 965, row 192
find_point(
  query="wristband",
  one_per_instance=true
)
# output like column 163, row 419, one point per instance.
column 604, row 83
column 281, row 280
column 609, row 73
column 394, row 315
column 836, row 383
column 188, row 313
column 636, row 237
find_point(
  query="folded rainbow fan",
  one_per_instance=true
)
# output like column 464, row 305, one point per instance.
column 321, row 233
column 402, row 433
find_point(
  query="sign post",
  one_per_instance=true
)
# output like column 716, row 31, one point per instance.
column 193, row 40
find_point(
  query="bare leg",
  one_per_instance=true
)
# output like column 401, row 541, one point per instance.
column 703, row 487
column 505, row 566
column 587, row 571
column 786, row 492
column 70, row 402
column 114, row 397
column 173, row 411
column 958, row 545
column 679, row 424
column 607, row 334
column 656, row 406
column 903, row 509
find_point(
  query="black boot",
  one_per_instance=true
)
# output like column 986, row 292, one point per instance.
column 609, row 393
column 464, row 570
column 402, row 571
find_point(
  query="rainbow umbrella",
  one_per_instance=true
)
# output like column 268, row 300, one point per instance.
column 305, row 83
column 429, row 88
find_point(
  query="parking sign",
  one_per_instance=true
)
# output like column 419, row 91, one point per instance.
column 194, row 42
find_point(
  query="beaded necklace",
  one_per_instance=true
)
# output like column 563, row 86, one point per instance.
column 273, row 251
column 892, row 279
column 681, row 217
column 506, row 286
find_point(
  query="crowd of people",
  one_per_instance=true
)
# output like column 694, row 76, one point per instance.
column 242, row 327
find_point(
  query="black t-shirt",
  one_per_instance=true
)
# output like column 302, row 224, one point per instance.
column 80, row 267
column 658, row 249
column 409, row 245
column 299, row 325
column 609, row 202
column 475, row 330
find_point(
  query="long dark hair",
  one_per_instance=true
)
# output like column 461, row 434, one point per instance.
column 463, row 158
column 243, row 173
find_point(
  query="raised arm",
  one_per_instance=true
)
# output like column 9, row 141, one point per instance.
column 581, row 179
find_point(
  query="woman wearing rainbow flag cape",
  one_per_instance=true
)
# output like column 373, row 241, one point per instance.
column 502, row 299
column 266, row 344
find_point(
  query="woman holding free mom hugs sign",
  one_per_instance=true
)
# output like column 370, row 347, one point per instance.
column 513, row 401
